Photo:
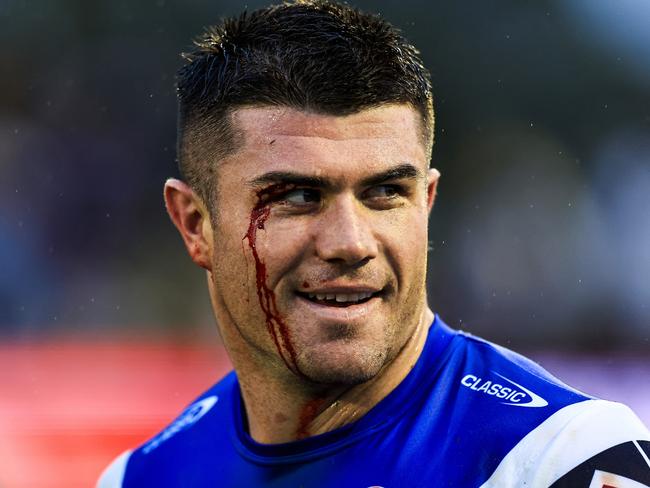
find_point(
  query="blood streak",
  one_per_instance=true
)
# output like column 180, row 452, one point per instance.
column 274, row 323
column 308, row 413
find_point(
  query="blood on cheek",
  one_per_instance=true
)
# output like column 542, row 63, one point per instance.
column 275, row 324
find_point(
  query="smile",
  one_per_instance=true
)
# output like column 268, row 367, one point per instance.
column 339, row 299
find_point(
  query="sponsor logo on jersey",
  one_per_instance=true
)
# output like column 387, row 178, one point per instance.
column 190, row 416
column 510, row 392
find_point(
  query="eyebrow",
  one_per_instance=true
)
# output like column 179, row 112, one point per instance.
column 289, row 178
column 402, row 171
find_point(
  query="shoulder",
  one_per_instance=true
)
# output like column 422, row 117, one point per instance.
column 485, row 400
column 530, row 429
column 195, row 426
column 491, row 372
column 593, row 440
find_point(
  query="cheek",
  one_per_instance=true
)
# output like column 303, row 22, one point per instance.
column 283, row 246
column 232, row 277
column 232, row 265
column 405, row 241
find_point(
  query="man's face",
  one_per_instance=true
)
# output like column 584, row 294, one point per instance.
column 320, row 239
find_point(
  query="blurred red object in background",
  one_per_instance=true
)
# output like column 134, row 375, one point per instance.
column 68, row 407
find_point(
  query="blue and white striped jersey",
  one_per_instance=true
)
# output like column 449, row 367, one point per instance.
column 470, row 414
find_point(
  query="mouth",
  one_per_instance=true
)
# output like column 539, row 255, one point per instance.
column 339, row 299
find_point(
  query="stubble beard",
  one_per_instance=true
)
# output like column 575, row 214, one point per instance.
column 360, row 363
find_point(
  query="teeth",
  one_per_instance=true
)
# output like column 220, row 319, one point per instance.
column 340, row 297
column 347, row 298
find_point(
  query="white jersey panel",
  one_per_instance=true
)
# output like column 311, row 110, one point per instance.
column 113, row 475
column 566, row 439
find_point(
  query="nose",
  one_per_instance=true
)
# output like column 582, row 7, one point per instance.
column 345, row 233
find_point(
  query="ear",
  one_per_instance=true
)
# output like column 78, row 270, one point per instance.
column 192, row 219
column 432, row 186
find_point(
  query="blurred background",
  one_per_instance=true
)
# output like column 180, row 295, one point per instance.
column 540, row 237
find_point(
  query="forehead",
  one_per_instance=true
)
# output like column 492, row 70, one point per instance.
column 285, row 139
column 375, row 122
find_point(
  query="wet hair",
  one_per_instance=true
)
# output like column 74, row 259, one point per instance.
column 315, row 56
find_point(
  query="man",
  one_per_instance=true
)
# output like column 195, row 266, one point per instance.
column 305, row 132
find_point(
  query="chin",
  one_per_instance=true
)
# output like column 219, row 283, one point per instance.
column 348, row 364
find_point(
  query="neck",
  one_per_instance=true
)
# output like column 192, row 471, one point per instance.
column 284, row 410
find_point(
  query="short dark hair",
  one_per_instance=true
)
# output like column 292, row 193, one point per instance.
column 317, row 56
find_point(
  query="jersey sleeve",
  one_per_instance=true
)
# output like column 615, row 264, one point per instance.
column 586, row 444
column 113, row 475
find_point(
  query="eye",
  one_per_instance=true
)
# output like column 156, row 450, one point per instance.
column 382, row 192
column 301, row 196
column 386, row 197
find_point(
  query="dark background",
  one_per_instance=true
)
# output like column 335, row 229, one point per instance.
column 540, row 235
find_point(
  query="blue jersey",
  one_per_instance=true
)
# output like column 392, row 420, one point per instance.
column 469, row 414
